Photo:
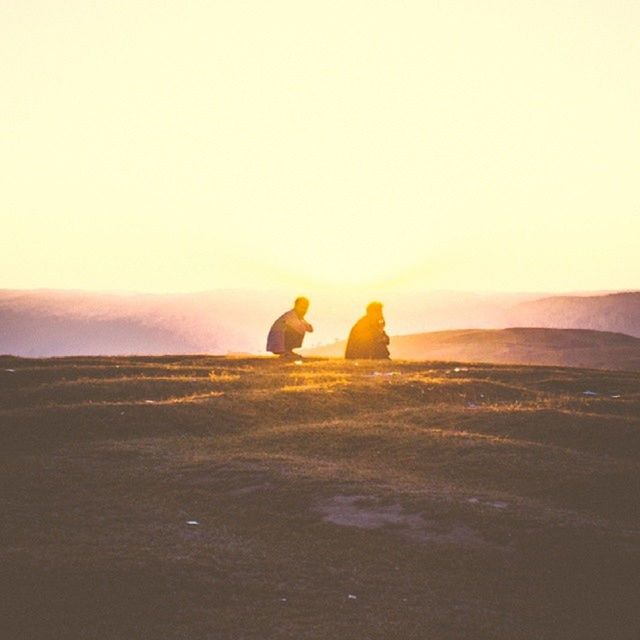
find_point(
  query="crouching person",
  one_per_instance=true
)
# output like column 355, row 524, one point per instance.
column 368, row 340
column 287, row 332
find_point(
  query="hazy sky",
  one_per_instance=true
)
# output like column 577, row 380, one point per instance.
column 181, row 145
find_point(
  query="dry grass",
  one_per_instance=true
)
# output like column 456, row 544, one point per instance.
column 453, row 501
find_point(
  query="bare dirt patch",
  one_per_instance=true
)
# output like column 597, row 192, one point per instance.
column 363, row 512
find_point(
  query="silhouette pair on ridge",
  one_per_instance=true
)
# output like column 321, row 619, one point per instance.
column 367, row 339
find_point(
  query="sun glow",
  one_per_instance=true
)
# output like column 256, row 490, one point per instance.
column 188, row 146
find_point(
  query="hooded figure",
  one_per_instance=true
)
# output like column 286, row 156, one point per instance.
column 287, row 332
column 368, row 340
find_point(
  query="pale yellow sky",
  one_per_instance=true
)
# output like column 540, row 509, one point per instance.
column 182, row 145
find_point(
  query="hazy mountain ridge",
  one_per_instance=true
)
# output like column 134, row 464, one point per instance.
column 43, row 323
column 618, row 312
column 48, row 323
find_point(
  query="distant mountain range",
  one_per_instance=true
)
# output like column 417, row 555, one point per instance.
column 42, row 323
column 57, row 323
column 524, row 346
column 618, row 312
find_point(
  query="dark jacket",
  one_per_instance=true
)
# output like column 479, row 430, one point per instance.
column 367, row 340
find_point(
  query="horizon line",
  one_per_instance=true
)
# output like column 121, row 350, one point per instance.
column 333, row 290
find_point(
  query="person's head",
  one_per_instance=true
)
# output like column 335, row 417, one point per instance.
column 301, row 306
column 374, row 309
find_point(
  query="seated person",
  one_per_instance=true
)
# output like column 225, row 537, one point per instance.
column 287, row 332
column 368, row 340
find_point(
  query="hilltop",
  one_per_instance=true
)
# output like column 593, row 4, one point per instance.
column 202, row 497
column 532, row 346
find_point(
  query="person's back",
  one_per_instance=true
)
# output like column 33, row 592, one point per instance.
column 367, row 339
column 287, row 332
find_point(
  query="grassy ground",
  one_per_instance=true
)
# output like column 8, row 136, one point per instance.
column 332, row 500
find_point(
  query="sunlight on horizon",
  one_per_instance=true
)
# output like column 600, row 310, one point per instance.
column 487, row 146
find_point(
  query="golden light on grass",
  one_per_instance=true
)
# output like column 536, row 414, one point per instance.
column 222, row 377
column 498, row 487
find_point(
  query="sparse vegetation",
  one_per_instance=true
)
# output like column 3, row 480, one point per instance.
column 327, row 500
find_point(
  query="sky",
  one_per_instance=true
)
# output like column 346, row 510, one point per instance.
column 187, row 145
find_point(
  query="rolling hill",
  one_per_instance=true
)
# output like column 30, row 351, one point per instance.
column 561, row 347
column 201, row 497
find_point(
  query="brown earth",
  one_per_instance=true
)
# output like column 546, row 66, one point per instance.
column 200, row 497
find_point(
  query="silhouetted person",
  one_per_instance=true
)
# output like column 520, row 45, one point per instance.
column 368, row 340
column 287, row 332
